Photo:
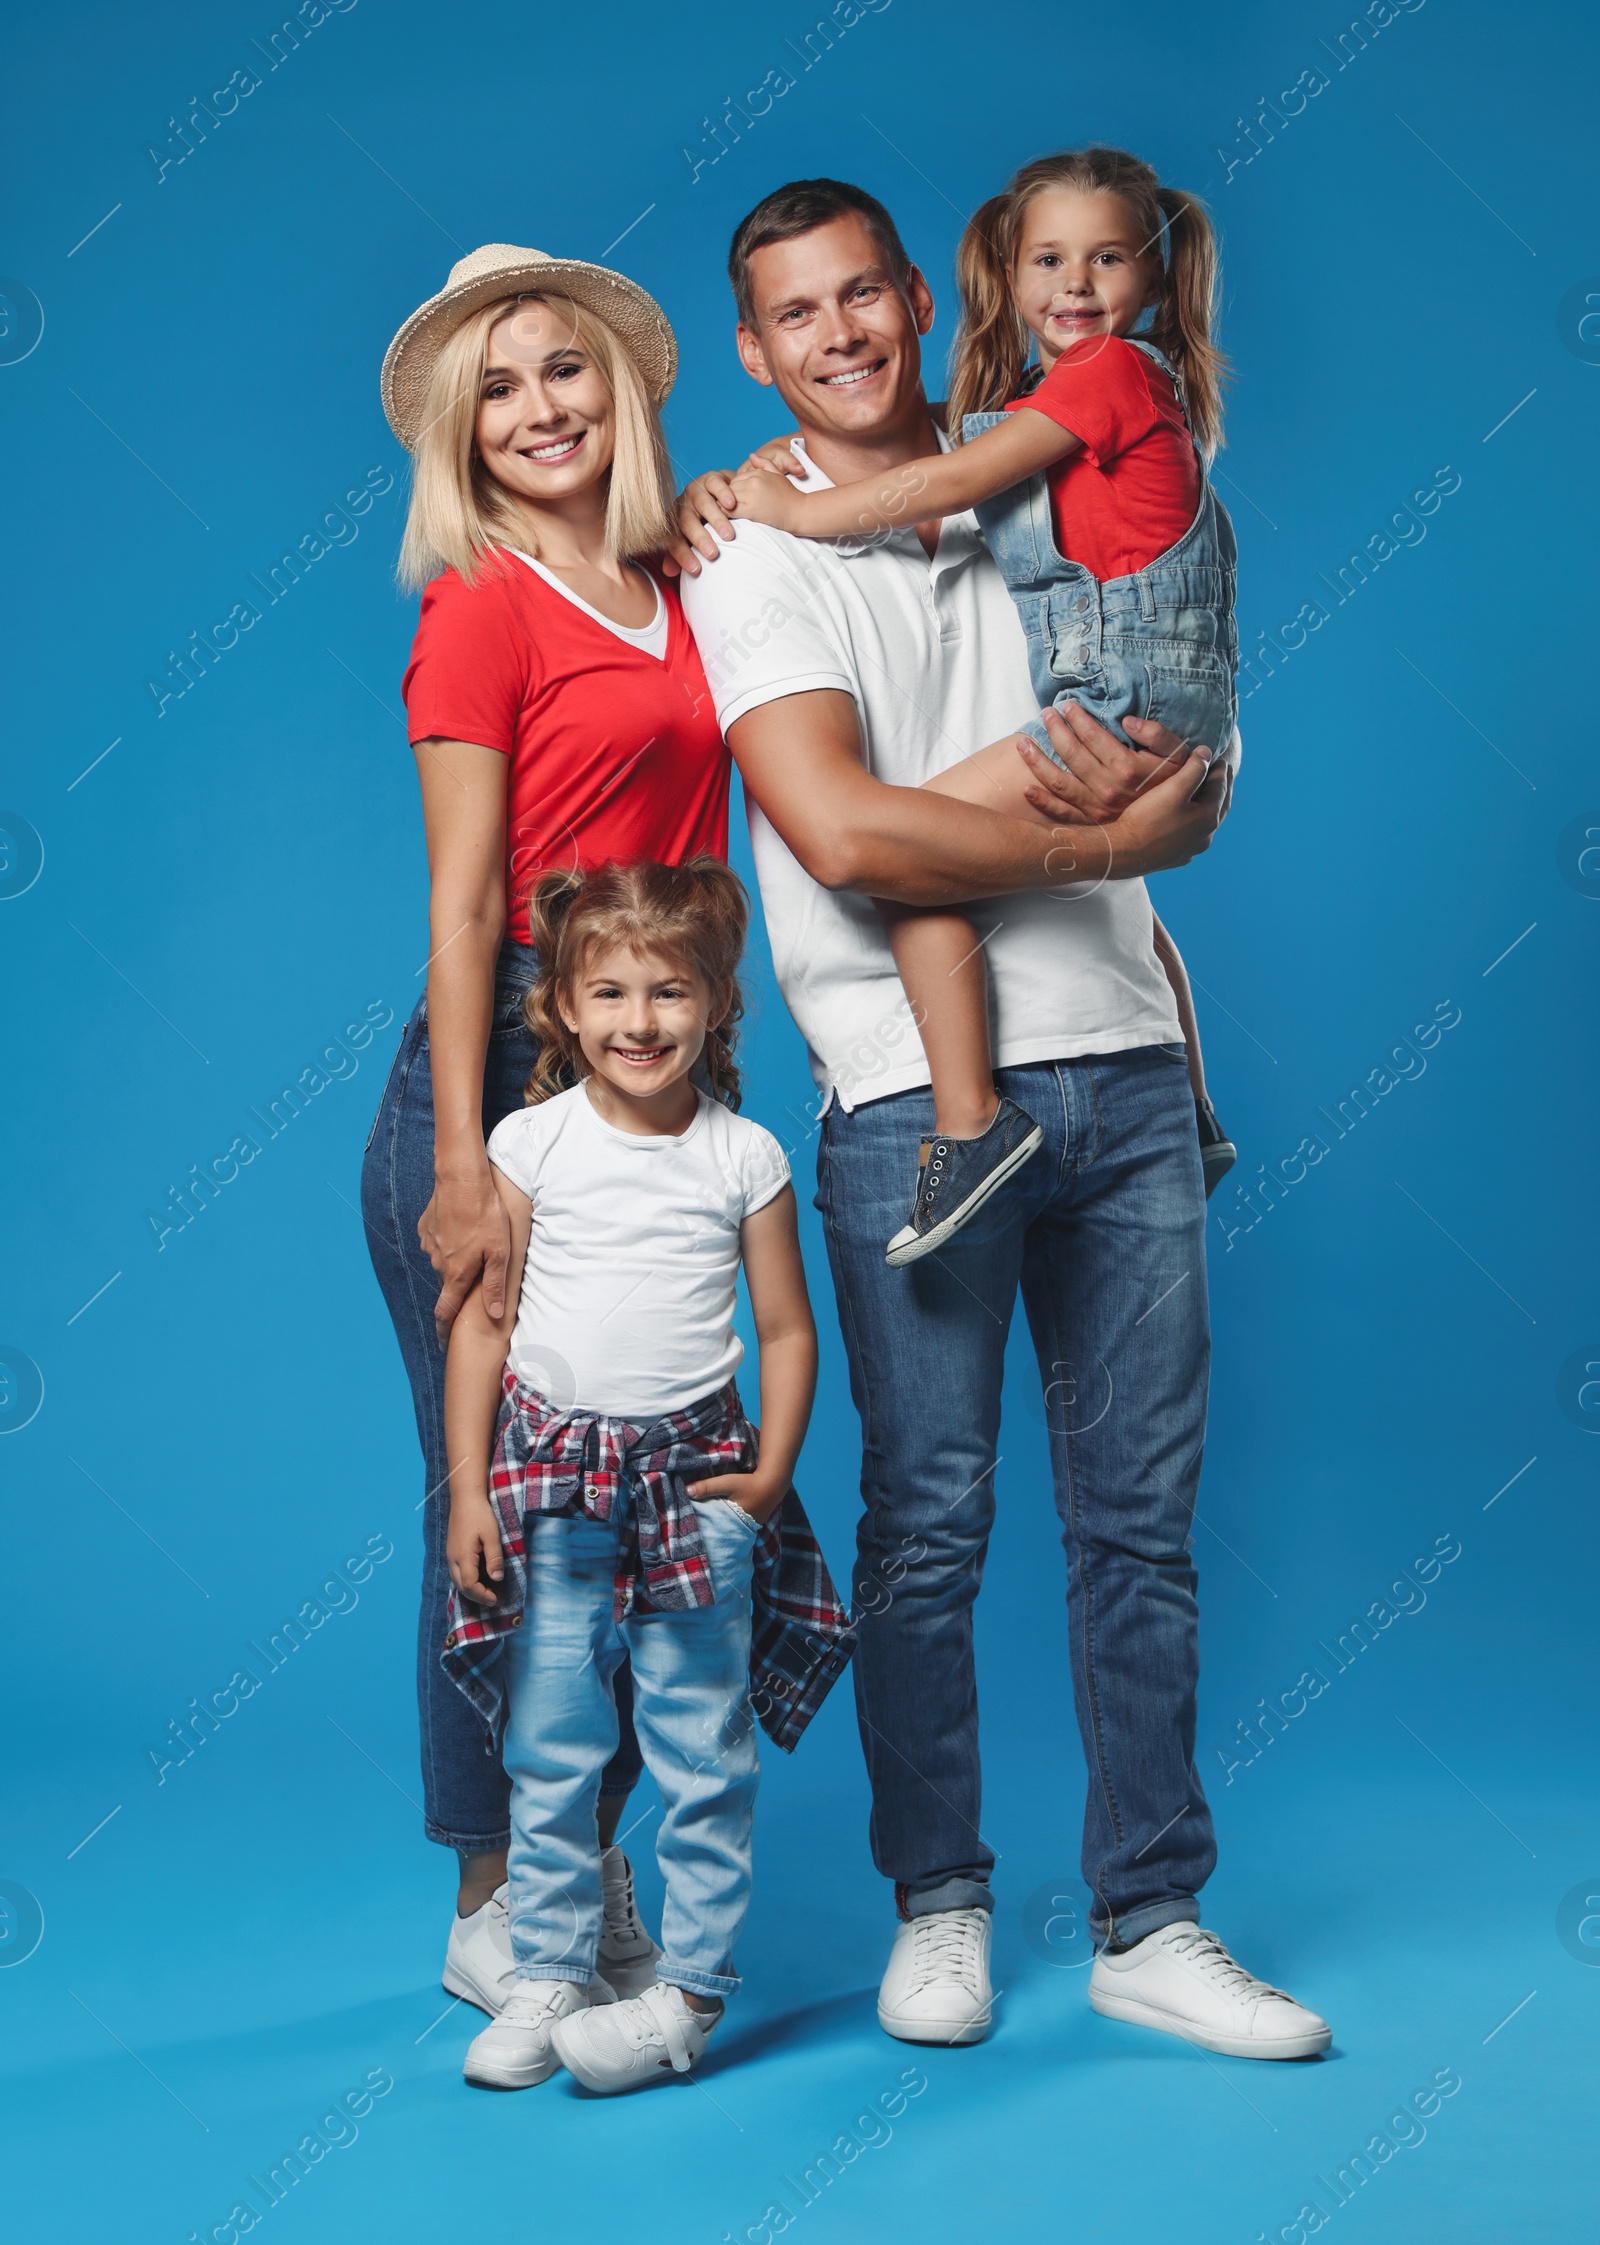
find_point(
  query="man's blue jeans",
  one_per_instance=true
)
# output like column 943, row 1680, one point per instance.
column 1104, row 1231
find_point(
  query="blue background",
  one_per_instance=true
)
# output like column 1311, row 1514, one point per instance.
column 242, row 875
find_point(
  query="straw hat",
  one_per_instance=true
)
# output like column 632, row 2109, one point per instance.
column 499, row 270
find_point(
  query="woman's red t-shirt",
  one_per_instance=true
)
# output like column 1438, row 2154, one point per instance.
column 1134, row 489
column 614, row 753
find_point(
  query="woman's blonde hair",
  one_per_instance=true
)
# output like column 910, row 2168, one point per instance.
column 993, row 344
column 694, row 915
column 459, row 513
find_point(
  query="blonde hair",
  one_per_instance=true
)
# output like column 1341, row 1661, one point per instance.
column 993, row 344
column 695, row 915
column 459, row 514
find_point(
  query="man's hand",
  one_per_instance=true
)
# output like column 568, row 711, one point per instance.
column 464, row 1230
column 472, row 1548
column 707, row 507
column 1103, row 775
column 1171, row 820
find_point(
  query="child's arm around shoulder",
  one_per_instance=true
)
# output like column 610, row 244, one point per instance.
column 920, row 491
column 479, row 1345
column 769, row 1242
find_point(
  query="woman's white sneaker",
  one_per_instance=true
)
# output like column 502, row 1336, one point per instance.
column 516, row 2051
column 629, row 2045
column 478, row 1964
column 937, row 1986
column 627, row 1957
column 1183, row 1981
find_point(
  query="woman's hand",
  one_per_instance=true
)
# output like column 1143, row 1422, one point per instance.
column 707, row 507
column 464, row 1230
column 472, row 1548
column 751, row 1492
column 704, row 511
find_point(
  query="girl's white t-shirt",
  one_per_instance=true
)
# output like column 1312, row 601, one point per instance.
column 627, row 1296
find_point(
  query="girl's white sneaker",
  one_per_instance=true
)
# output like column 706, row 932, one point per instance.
column 1183, row 1981
column 516, row 2052
column 631, row 2044
column 627, row 1958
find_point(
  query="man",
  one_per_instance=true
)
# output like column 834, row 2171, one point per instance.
column 845, row 675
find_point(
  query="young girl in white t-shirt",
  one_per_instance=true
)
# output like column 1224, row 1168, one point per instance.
column 619, row 1502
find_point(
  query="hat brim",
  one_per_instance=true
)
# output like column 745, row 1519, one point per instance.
column 630, row 311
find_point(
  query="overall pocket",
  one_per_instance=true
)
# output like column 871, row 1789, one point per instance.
column 1191, row 694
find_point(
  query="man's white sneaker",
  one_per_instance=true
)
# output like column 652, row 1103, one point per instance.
column 1184, row 1982
column 631, row 2044
column 627, row 1957
column 515, row 2052
column 478, row 1964
column 937, row 1986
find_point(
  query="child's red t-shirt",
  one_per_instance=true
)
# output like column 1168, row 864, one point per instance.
column 1134, row 489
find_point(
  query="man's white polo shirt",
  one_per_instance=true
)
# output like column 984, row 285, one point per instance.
column 932, row 654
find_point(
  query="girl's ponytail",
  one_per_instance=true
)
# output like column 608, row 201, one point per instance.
column 724, row 923
column 1186, row 311
column 992, row 344
column 554, row 895
column 696, row 915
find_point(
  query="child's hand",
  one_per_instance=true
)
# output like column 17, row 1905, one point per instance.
column 751, row 1492
column 474, row 1537
column 778, row 452
column 762, row 494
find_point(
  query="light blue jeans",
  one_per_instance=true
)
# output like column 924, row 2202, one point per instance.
column 691, row 1682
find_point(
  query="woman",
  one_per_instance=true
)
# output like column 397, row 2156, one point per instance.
column 560, row 717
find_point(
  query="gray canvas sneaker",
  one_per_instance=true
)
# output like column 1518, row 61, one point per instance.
column 955, row 1176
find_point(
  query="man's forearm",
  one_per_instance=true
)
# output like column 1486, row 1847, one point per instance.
column 801, row 761
column 914, row 847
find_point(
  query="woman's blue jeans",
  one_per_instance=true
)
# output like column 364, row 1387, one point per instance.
column 1103, row 1234
column 466, row 1793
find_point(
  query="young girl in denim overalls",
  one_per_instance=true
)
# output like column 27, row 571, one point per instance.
column 1087, row 474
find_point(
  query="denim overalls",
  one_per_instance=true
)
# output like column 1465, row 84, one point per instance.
column 1161, row 643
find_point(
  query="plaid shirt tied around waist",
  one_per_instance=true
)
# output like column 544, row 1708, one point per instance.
column 572, row 1462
